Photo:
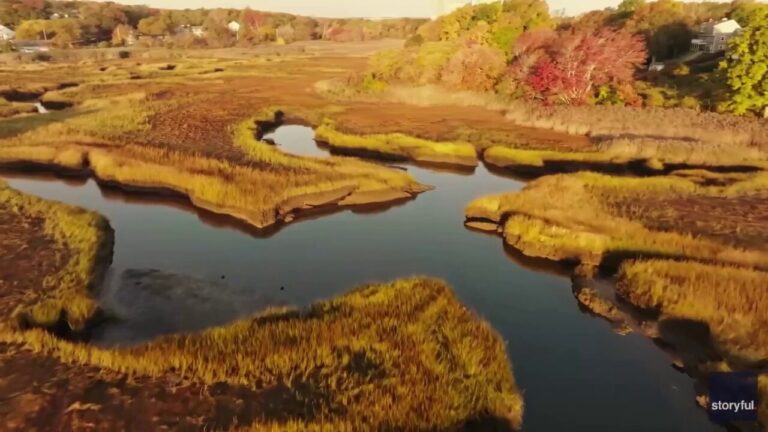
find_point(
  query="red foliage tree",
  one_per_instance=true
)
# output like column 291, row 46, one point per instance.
column 573, row 65
column 254, row 19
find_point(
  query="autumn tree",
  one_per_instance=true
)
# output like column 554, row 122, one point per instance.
column 474, row 67
column 99, row 20
column 666, row 27
column 218, row 33
column 746, row 11
column 304, row 28
column 63, row 33
column 574, row 65
column 628, row 7
column 747, row 67
column 14, row 12
column 157, row 25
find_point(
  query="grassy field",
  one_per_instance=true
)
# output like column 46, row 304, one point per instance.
column 730, row 300
column 597, row 219
column 120, row 130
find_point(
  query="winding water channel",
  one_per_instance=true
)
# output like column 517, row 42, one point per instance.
column 576, row 373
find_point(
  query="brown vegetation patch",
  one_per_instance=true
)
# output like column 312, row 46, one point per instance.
column 737, row 220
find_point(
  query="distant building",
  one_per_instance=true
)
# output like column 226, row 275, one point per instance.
column 197, row 31
column 6, row 34
column 657, row 66
column 33, row 46
column 234, row 26
column 714, row 36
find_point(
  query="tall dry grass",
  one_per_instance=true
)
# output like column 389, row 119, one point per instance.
column 730, row 300
column 655, row 152
column 404, row 355
column 400, row 146
column 260, row 193
column 652, row 124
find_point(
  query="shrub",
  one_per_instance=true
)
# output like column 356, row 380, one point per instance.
column 430, row 61
column 681, row 70
column 416, row 40
column 386, row 65
column 372, row 85
column 654, row 97
column 475, row 67
column 690, row 102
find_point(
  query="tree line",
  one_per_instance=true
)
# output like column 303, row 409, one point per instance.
column 69, row 24
column 515, row 48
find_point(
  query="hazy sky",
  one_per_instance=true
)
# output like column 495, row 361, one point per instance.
column 357, row 8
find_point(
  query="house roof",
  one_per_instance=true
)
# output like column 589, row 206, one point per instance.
column 724, row 26
column 6, row 30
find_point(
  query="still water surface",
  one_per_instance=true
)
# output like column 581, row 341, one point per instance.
column 576, row 373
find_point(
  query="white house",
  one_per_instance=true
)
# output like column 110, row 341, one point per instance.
column 714, row 36
column 234, row 26
column 6, row 34
column 197, row 31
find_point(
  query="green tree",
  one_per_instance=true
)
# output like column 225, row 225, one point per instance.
column 62, row 32
column 99, row 20
column 745, row 11
column 747, row 67
column 533, row 13
column 158, row 25
column 628, row 7
column 14, row 12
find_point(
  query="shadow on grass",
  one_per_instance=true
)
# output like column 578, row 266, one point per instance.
column 15, row 126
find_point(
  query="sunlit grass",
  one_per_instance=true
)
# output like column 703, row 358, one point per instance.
column 621, row 152
column 399, row 145
column 99, row 136
column 730, row 301
column 581, row 217
column 404, row 355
